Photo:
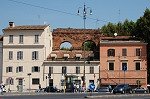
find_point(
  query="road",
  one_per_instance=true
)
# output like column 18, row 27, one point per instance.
column 77, row 96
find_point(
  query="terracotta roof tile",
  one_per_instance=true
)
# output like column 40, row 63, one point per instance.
column 27, row 27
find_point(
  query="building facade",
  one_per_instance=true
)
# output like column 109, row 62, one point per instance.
column 123, row 61
column 1, row 57
column 25, row 48
column 72, row 62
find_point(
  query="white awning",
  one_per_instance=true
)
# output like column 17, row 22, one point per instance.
column 66, row 55
column 79, row 55
column 54, row 55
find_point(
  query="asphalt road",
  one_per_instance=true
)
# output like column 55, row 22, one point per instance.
column 77, row 96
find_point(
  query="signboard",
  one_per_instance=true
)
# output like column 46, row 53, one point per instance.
column 92, row 87
column 124, row 68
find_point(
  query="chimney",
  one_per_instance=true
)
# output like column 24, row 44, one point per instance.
column 11, row 24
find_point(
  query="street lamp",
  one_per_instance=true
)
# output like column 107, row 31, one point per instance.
column 29, row 74
column 85, row 11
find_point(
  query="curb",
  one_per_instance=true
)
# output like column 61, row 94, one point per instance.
column 108, row 96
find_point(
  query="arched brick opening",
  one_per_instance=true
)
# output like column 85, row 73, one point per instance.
column 76, row 37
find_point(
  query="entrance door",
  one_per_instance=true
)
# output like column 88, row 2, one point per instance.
column 50, row 82
column 20, row 85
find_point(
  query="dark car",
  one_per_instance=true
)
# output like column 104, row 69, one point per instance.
column 103, row 89
column 140, row 90
column 50, row 89
column 122, row 88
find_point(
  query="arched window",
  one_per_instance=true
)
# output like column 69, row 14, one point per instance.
column 10, row 81
column 111, row 52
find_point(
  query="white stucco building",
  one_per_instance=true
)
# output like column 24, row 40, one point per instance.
column 29, row 60
column 25, row 48
column 1, row 57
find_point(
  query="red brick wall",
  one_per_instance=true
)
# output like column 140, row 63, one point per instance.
column 75, row 37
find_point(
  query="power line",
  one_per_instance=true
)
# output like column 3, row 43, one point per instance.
column 37, row 6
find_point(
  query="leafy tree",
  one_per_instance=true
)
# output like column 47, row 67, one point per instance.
column 143, row 27
column 122, row 29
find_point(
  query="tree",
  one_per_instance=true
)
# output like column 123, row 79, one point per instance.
column 142, row 28
column 123, row 29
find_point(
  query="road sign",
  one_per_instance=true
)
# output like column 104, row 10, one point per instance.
column 92, row 87
column 124, row 67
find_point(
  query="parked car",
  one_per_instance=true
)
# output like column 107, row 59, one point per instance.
column 122, row 88
column 140, row 90
column 50, row 89
column 103, row 89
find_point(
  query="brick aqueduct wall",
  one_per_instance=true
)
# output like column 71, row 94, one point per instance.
column 75, row 37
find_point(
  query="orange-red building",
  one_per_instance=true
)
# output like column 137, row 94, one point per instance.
column 123, row 61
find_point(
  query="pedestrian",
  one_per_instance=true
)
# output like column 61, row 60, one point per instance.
column 39, row 86
column 110, row 88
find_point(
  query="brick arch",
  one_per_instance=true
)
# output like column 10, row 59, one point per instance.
column 92, row 42
column 64, row 42
column 75, row 36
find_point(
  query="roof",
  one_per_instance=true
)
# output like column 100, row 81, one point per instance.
column 117, row 38
column 27, row 27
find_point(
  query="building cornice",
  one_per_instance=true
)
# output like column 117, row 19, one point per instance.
column 23, row 46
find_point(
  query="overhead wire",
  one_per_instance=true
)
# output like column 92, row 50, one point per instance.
column 37, row 6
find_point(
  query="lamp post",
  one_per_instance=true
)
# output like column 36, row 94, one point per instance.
column 29, row 74
column 85, row 11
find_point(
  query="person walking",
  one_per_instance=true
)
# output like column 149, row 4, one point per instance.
column 39, row 86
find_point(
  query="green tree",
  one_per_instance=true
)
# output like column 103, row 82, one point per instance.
column 123, row 29
column 142, row 28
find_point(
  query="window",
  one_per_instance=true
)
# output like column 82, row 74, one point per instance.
column 35, row 55
column 10, row 55
column 64, row 70
column 138, row 52
column 137, row 66
column 111, row 66
column 124, row 66
column 20, row 38
column 91, row 70
column 35, row 69
column 10, row 38
column 20, row 81
column 77, row 70
column 35, row 81
column 51, row 70
column 19, row 69
column 36, row 39
column 124, row 52
column 19, row 55
column 10, row 81
column 111, row 52
column 9, row 69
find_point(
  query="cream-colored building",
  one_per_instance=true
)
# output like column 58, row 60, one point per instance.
column 28, row 60
column 24, row 50
column 1, row 57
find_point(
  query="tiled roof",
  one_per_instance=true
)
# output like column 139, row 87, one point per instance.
column 116, row 38
column 27, row 27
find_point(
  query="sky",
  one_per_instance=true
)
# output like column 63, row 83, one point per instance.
column 63, row 13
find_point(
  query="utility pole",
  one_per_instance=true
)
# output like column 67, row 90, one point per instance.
column 85, row 11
